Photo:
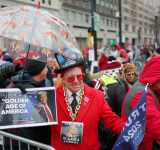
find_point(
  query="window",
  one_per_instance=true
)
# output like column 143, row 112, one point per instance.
column 126, row 2
column 107, row 22
column 126, row 27
column 133, row 20
column 111, row 12
column 146, row 5
column 97, row 7
column 81, row 3
column 150, row 13
column 73, row 15
column 102, row 9
column 115, row 24
column 126, row 10
column 140, row 30
column 126, row 18
column 107, row 4
column 49, row 2
column 133, row 6
column 87, row 18
column 150, row 32
column 145, row 31
column 133, row 13
column 150, row 7
column 111, row 23
column 87, row 4
column 146, row 11
column 141, row 1
column 133, row 28
column 140, row 22
column 140, row 15
column 103, row 23
column 65, row 14
column 102, row 2
column 107, row 9
column 43, row 1
column 146, row 17
column 80, row 17
column 115, row 7
column 140, row 8
column 73, row 1
column 146, row 24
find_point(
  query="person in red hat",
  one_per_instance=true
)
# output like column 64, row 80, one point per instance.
column 102, row 61
column 81, row 106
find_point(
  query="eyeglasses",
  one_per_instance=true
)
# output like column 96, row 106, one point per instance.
column 131, row 74
column 80, row 77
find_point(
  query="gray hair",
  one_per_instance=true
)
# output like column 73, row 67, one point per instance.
column 41, row 92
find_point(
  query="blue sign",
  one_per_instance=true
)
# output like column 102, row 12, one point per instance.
column 134, row 129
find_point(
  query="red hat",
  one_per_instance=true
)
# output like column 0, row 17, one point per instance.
column 18, row 61
column 119, row 47
column 85, row 52
column 62, row 72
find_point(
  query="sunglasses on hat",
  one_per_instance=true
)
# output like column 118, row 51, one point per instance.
column 79, row 77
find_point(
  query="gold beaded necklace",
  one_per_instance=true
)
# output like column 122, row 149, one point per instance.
column 69, row 108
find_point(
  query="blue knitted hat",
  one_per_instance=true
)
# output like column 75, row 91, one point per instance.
column 158, row 50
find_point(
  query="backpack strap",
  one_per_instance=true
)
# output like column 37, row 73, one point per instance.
column 137, row 87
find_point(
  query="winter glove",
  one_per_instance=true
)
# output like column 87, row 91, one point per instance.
column 11, row 70
column 23, row 90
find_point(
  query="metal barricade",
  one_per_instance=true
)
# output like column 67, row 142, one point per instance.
column 138, row 65
column 143, row 60
column 23, row 140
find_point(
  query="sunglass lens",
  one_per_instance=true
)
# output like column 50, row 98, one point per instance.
column 80, row 77
column 70, row 79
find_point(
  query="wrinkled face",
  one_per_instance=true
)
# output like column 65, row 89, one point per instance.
column 76, row 85
column 50, row 62
column 43, row 98
column 72, row 130
column 44, row 73
column 130, row 76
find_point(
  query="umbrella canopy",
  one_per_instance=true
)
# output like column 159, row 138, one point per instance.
column 26, row 29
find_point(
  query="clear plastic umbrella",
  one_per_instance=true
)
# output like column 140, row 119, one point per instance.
column 30, row 32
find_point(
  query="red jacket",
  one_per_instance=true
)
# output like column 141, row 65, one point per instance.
column 123, row 53
column 102, row 63
column 150, row 74
column 95, row 109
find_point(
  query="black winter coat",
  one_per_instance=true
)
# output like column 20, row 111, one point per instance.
column 40, row 134
column 116, row 94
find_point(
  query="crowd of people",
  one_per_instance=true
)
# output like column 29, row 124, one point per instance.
column 107, row 92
